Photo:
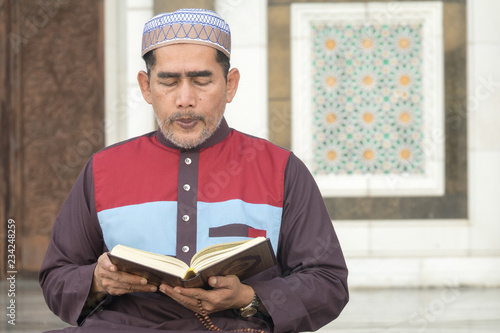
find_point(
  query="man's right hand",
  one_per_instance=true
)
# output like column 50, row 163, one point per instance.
column 109, row 280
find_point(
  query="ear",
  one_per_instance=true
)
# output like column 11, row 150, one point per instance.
column 233, row 78
column 143, row 79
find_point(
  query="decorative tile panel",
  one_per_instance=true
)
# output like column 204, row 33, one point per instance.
column 367, row 102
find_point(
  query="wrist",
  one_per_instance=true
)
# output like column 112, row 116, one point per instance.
column 252, row 308
column 95, row 295
column 96, row 290
column 246, row 297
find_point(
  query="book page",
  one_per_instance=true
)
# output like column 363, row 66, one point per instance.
column 161, row 262
column 214, row 253
column 219, row 248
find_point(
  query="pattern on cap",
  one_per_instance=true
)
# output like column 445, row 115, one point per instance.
column 199, row 26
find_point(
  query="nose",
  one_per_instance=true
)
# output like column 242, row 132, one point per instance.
column 186, row 96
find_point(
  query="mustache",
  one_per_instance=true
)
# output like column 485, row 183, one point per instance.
column 184, row 115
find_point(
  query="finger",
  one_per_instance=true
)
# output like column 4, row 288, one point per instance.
column 176, row 292
column 195, row 293
column 120, row 288
column 218, row 282
column 118, row 283
column 128, row 278
column 168, row 290
column 186, row 301
column 212, row 300
column 106, row 263
column 109, row 280
column 165, row 288
column 112, row 273
column 102, row 275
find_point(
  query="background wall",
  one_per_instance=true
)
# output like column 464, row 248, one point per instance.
column 52, row 114
column 458, row 246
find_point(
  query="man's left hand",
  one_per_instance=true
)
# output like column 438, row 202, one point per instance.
column 227, row 293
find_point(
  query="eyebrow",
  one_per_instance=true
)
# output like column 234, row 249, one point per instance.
column 166, row 75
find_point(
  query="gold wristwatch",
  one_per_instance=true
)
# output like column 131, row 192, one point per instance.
column 251, row 308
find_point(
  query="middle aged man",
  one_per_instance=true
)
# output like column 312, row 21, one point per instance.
column 193, row 183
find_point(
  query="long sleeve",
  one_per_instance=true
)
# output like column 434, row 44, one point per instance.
column 76, row 243
column 312, row 290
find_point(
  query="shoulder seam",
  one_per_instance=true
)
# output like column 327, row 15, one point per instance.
column 261, row 139
column 150, row 134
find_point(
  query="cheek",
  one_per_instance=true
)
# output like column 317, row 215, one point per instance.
column 217, row 99
column 162, row 104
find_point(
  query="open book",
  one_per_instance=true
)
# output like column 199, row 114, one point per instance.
column 243, row 259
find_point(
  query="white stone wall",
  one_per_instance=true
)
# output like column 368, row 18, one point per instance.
column 127, row 114
column 248, row 23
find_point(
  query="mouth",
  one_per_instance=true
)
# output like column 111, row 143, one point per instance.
column 187, row 123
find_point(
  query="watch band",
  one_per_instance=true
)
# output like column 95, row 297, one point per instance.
column 251, row 308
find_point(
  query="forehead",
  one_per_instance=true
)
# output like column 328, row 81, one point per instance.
column 185, row 57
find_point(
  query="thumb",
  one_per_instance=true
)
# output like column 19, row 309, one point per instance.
column 106, row 263
column 212, row 281
column 218, row 282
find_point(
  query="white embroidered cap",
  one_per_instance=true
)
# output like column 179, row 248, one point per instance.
column 192, row 25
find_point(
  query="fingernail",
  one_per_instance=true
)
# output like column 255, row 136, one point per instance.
column 144, row 281
column 178, row 290
column 162, row 289
column 153, row 288
column 213, row 281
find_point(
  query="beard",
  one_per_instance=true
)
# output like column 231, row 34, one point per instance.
column 208, row 129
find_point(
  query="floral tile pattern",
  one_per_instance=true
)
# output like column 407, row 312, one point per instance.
column 367, row 98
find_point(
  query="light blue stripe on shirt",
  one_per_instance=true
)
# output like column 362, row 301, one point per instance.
column 152, row 226
column 148, row 226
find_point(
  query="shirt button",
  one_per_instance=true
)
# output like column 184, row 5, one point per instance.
column 187, row 161
column 185, row 218
column 185, row 249
column 186, row 187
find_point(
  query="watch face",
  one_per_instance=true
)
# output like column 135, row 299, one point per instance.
column 248, row 312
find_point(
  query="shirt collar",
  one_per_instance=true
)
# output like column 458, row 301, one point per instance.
column 220, row 134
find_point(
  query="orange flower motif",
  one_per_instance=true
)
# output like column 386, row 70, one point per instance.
column 330, row 44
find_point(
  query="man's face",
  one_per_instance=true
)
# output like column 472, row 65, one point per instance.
column 188, row 92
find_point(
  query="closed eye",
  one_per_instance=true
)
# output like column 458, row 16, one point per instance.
column 169, row 83
column 202, row 82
